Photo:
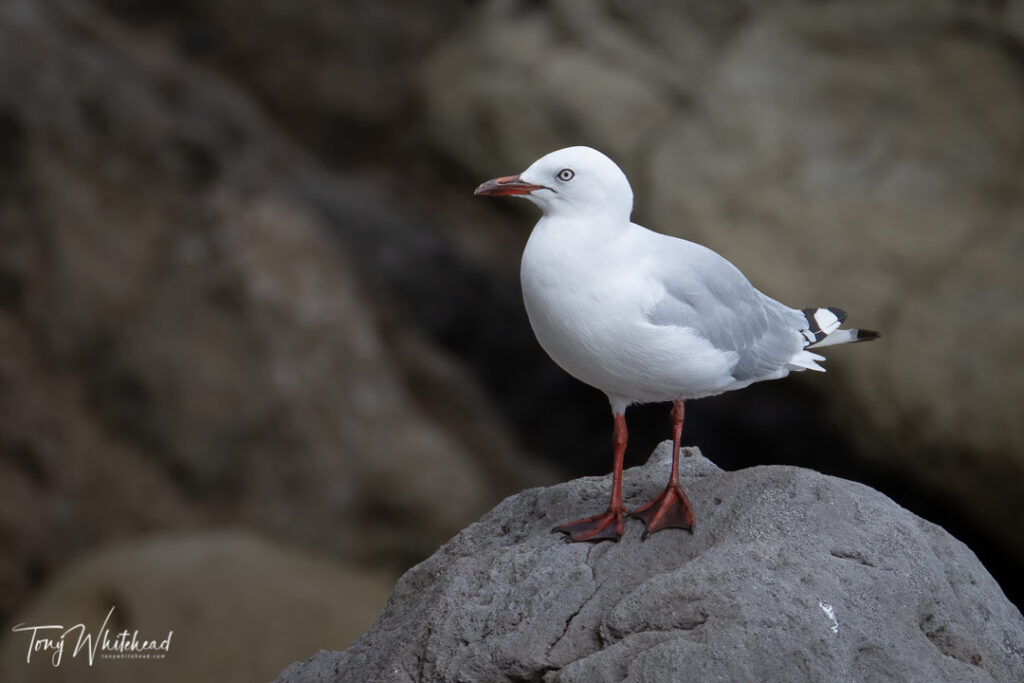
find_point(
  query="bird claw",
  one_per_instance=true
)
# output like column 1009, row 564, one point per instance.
column 671, row 509
column 607, row 526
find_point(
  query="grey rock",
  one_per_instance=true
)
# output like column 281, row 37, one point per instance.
column 790, row 575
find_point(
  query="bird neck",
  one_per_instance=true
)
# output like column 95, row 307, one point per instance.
column 582, row 228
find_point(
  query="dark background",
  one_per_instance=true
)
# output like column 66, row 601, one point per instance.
column 262, row 349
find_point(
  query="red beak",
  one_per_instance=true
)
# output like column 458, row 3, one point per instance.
column 506, row 185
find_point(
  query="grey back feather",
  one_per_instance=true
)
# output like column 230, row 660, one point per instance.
column 711, row 296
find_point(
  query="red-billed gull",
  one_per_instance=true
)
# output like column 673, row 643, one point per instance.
column 645, row 317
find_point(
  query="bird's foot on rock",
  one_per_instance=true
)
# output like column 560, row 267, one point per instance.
column 606, row 526
column 670, row 510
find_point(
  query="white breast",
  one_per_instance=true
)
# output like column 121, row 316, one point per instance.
column 586, row 291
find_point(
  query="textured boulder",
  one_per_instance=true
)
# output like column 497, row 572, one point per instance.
column 789, row 576
column 864, row 155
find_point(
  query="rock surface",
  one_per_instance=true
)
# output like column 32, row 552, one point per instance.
column 837, row 152
column 789, row 576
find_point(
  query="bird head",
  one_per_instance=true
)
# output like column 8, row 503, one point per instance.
column 575, row 182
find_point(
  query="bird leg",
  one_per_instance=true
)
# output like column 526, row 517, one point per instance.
column 608, row 525
column 671, row 508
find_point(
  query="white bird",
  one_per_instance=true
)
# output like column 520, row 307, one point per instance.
column 645, row 317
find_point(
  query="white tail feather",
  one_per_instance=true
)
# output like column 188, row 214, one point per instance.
column 805, row 360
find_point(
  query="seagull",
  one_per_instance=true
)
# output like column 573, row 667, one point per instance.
column 646, row 317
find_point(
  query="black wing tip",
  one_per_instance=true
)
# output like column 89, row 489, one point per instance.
column 839, row 313
column 813, row 328
column 867, row 335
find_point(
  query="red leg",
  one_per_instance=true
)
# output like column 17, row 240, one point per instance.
column 671, row 508
column 608, row 525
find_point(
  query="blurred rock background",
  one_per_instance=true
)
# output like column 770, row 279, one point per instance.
column 244, row 283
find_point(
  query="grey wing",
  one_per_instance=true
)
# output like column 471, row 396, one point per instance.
column 712, row 297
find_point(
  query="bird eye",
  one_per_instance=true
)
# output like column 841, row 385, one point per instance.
column 566, row 174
